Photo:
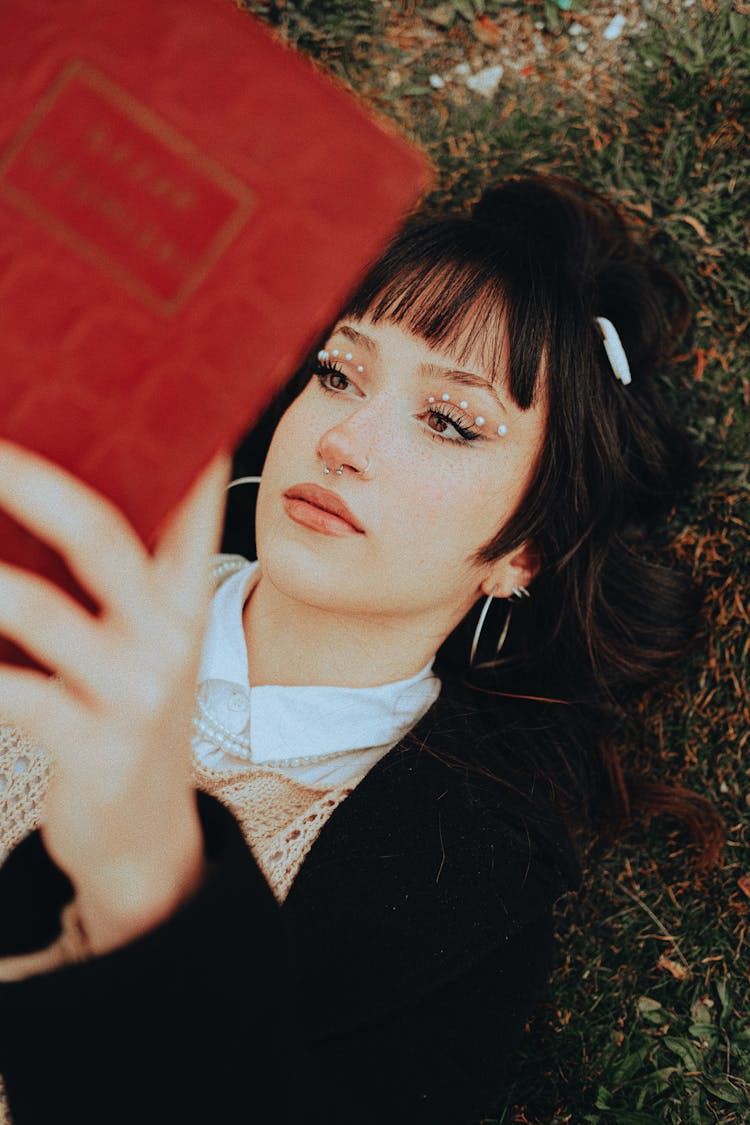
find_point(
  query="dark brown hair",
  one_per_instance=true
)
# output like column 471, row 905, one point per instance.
column 524, row 278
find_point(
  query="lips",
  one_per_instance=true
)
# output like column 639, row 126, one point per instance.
column 324, row 499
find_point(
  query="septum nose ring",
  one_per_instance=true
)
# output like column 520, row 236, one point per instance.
column 340, row 470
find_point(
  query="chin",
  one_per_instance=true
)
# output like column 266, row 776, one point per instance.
column 304, row 573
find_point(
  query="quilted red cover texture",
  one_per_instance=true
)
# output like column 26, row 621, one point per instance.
column 184, row 204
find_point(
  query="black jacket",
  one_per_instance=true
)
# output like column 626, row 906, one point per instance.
column 389, row 988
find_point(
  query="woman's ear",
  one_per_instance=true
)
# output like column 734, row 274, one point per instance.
column 511, row 571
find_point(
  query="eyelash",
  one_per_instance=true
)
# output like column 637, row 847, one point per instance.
column 468, row 433
column 324, row 368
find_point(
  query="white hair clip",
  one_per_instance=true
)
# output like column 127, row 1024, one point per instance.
column 614, row 349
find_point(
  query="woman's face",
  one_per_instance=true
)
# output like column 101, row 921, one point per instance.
column 434, row 459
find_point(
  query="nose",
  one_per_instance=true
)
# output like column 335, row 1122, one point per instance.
column 344, row 446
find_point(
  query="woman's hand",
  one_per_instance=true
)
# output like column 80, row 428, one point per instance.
column 121, row 816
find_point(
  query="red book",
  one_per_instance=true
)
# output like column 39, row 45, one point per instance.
column 184, row 205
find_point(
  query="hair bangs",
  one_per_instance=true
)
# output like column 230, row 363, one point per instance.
column 464, row 297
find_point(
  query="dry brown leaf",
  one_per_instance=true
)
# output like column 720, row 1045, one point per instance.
column 443, row 15
column 676, row 968
column 697, row 226
column 486, row 31
column 744, row 884
column 646, row 208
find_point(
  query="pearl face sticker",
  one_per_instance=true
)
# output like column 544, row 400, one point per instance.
column 473, row 423
column 324, row 354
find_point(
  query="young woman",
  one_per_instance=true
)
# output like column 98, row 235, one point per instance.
column 402, row 708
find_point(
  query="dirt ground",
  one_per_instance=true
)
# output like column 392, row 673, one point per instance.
column 588, row 47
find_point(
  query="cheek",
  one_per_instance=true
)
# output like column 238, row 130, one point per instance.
column 451, row 510
column 297, row 429
column 436, row 508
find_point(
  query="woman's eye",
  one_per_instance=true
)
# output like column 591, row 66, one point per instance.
column 443, row 425
column 332, row 378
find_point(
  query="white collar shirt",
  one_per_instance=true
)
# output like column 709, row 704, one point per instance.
column 275, row 727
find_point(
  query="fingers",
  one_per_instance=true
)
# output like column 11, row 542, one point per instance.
column 94, row 538
column 151, row 607
column 50, row 627
column 30, row 701
column 192, row 536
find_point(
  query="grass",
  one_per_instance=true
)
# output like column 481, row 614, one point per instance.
column 648, row 1016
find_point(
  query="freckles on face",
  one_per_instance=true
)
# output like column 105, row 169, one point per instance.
column 435, row 459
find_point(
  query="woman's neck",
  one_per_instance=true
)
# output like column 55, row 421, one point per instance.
column 296, row 644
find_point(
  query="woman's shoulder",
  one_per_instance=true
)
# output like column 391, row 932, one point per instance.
column 472, row 759
column 425, row 869
column 444, row 819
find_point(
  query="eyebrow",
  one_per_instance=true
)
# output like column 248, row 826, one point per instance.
column 357, row 338
column 462, row 378
column 427, row 370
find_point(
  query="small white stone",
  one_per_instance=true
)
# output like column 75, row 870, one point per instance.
column 431, row 398
column 462, row 69
column 480, row 420
column 360, row 368
column 323, row 355
column 614, row 29
column 335, row 352
column 502, row 429
column 575, row 29
column 436, row 82
column 486, row 81
column 348, row 356
column 446, row 398
column 463, row 404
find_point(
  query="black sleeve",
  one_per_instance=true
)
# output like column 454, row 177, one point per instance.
column 196, row 1020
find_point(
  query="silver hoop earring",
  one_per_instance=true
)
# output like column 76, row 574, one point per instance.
column 518, row 594
column 243, row 480
column 478, row 631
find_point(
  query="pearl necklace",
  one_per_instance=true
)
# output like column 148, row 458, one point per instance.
column 233, row 564
column 213, row 731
